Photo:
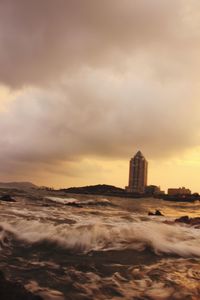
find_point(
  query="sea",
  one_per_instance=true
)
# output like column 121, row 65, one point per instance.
column 84, row 247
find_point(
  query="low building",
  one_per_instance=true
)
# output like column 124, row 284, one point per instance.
column 179, row 191
column 153, row 190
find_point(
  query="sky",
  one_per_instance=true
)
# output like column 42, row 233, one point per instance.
column 85, row 84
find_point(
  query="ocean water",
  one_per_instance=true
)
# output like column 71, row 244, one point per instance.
column 102, row 248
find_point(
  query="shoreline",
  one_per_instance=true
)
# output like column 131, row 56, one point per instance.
column 190, row 199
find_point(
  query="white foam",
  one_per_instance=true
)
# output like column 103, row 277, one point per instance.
column 81, row 202
column 99, row 236
column 62, row 200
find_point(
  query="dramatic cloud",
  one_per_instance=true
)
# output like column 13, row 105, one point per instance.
column 41, row 40
column 96, row 80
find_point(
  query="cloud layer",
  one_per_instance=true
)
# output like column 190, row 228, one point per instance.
column 97, row 79
column 41, row 41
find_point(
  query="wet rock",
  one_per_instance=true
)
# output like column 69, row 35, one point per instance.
column 14, row 291
column 195, row 221
column 156, row 213
column 190, row 221
column 184, row 219
column 7, row 198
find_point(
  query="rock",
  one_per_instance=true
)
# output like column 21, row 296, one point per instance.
column 184, row 219
column 150, row 213
column 157, row 213
column 190, row 221
column 195, row 221
column 7, row 198
column 14, row 291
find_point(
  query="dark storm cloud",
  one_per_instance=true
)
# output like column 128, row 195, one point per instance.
column 97, row 79
column 42, row 40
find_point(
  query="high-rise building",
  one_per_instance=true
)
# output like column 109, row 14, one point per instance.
column 137, row 174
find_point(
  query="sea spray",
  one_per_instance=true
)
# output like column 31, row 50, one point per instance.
column 98, row 236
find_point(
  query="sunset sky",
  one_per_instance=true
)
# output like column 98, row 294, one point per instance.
column 84, row 84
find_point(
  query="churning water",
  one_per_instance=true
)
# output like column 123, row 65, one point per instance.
column 86, row 247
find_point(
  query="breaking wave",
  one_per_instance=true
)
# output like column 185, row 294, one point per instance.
column 159, row 237
column 67, row 248
column 69, row 201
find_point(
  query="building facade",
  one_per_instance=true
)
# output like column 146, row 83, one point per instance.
column 152, row 190
column 137, row 174
column 179, row 191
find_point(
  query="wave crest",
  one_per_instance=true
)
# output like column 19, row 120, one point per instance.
column 159, row 237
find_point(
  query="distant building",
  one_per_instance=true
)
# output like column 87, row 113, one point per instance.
column 153, row 190
column 137, row 174
column 179, row 191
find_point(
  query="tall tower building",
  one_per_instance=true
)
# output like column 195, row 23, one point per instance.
column 137, row 174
